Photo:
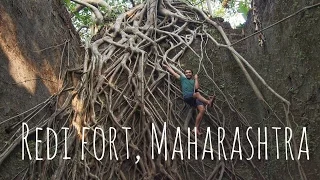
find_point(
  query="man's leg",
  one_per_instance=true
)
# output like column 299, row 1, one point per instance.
column 199, row 117
column 198, row 96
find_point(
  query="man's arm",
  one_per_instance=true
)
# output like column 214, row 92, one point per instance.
column 196, row 82
column 172, row 71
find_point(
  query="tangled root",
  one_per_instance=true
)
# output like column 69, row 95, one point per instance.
column 123, row 84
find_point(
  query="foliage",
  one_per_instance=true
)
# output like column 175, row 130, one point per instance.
column 83, row 19
column 244, row 9
column 224, row 8
column 236, row 11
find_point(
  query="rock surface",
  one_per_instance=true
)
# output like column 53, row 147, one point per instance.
column 37, row 39
column 289, row 62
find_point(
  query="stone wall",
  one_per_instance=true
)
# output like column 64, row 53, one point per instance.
column 37, row 40
column 289, row 62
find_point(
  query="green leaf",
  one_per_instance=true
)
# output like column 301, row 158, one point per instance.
column 244, row 9
column 67, row 2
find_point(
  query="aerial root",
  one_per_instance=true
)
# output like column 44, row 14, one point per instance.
column 124, row 85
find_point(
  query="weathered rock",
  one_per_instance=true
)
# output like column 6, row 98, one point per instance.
column 36, row 38
column 289, row 62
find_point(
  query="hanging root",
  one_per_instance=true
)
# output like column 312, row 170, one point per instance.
column 123, row 84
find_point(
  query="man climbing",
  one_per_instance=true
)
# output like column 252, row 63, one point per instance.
column 191, row 94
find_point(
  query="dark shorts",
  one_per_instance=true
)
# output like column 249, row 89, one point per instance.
column 188, row 98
